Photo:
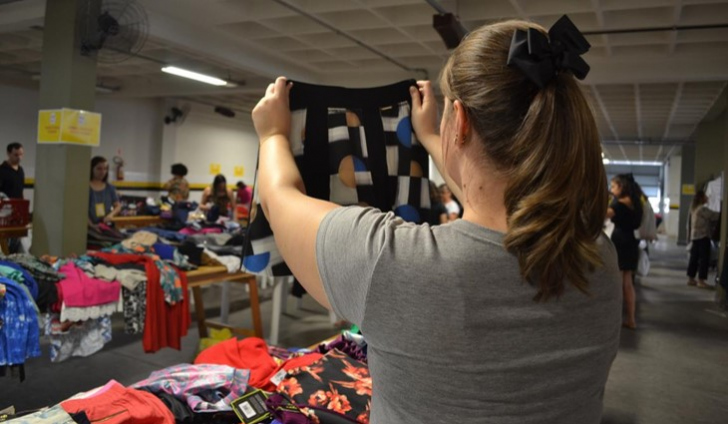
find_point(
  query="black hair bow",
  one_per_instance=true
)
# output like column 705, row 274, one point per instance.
column 541, row 60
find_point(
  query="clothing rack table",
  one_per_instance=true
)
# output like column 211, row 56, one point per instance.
column 207, row 275
column 7, row 233
column 139, row 221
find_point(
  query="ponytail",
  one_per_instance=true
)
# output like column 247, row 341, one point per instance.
column 554, row 198
column 546, row 143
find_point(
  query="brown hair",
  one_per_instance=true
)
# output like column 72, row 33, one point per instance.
column 95, row 161
column 698, row 200
column 545, row 142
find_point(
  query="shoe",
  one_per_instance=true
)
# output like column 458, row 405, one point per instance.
column 703, row 285
column 692, row 282
column 630, row 325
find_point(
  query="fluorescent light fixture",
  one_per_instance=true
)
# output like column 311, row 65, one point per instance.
column 635, row 162
column 193, row 75
column 106, row 90
column 605, row 161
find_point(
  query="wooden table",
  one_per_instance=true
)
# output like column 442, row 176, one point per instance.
column 207, row 275
column 136, row 221
column 9, row 233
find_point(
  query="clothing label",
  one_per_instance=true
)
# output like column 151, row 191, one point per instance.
column 251, row 407
column 100, row 210
column 280, row 375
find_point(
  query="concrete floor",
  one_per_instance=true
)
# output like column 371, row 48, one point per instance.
column 674, row 367
column 672, row 370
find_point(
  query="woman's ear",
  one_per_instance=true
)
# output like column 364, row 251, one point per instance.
column 462, row 124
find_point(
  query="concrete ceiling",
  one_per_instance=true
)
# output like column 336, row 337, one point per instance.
column 647, row 87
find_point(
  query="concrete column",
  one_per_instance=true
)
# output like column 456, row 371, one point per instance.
column 709, row 150
column 672, row 211
column 724, row 215
column 687, row 176
column 60, row 212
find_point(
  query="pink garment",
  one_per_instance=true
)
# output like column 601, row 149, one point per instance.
column 191, row 231
column 244, row 196
column 80, row 290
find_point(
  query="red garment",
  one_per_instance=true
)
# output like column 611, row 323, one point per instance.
column 250, row 354
column 291, row 364
column 165, row 324
column 119, row 405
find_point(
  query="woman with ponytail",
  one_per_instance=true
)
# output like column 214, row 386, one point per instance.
column 509, row 315
column 625, row 211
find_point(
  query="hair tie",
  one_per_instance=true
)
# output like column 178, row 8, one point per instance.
column 541, row 58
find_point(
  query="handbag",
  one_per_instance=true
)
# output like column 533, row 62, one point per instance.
column 643, row 263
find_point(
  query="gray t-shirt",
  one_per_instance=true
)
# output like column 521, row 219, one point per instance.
column 454, row 334
column 101, row 203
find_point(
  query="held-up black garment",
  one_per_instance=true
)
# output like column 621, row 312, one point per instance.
column 352, row 147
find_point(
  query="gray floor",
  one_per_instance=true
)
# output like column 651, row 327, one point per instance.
column 673, row 369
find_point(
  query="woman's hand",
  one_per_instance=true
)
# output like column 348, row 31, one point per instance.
column 424, row 110
column 272, row 115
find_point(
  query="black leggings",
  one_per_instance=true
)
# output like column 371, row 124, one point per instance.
column 699, row 258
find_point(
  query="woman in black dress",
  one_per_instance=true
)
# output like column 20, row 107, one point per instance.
column 625, row 211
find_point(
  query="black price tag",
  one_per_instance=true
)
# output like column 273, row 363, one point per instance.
column 251, row 407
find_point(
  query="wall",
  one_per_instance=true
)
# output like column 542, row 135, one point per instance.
column 709, row 150
column 134, row 130
column 206, row 139
column 672, row 187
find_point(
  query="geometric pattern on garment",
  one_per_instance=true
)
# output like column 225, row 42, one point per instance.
column 352, row 147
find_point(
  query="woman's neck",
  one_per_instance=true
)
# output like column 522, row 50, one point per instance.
column 98, row 183
column 483, row 191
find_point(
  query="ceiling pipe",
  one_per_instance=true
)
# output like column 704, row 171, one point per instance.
column 656, row 29
column 647, row 142
column 437, row 6
column 350, row 37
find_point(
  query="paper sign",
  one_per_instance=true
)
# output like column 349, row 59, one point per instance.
column 215, row 168
column 239, row 171
column 688, row 189
column 69, row 126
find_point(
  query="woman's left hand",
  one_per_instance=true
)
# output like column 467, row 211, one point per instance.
column 272, row 115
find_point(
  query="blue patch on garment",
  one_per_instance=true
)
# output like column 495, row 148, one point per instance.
column 408, row 213
column 359, row 165
column 404, row 132
column 257, row 263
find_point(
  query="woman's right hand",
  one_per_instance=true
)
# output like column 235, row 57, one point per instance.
column 424, row 110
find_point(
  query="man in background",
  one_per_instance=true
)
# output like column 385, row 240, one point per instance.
column 12, row 176
column 12, row 181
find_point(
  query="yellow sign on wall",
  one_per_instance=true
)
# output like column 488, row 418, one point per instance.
column 239, row 171
column 215, row 168
column 688, row 189
column 69, row 126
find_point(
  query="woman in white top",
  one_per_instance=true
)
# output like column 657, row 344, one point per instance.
column 453, row 209
column 509, row 315
column 701, row 222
